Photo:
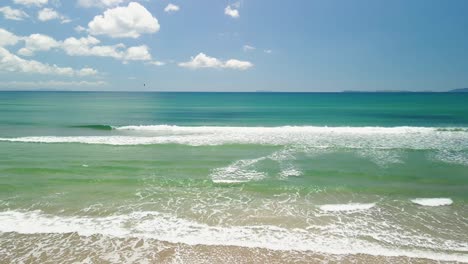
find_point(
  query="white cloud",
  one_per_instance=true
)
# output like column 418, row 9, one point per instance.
column 12, row 63
column 50, row 84
column 232, row 10
column 47, row 14
column 248, row 48
column 37, row 42
column 85, row 46
column 268, row 51
column 201, row 61
column 157, row 63
column 124, row 22
column 13, row 14
column 87, row 72
column 99, row 3
column 79, row 29
column 65, row 20
column 7, row 38
column 73, row 46
column 137, row 53
column 170, row 8
column 237, row 64
column 31, row 2
column 204, row 61
column 88, row 46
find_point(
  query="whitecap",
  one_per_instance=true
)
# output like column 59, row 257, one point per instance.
column 291, row 172
column 237, row 172
column 346, row 207
column 379, row 138
column 432, row 201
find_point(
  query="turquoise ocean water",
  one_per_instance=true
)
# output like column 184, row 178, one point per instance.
column 103, row 177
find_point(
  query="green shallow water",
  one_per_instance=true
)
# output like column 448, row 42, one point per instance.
column 324, row 173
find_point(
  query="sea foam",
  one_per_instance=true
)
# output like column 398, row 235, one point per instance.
column 432, row 201
column 311, row 136
column 346, row 207
column 164, row 227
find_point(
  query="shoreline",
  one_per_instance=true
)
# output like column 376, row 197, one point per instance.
column 71, row 247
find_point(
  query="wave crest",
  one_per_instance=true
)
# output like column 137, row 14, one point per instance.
column 432, row 201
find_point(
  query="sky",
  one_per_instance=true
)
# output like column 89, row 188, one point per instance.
column 225, row 45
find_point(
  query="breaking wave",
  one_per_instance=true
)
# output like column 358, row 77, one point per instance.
column 319, row 137
column 432, row 201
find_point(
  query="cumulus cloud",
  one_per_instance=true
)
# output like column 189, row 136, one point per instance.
column 201, row 61
column 171, row 8
column 87, row 72
column 7, row 38
column 88, row 46
column 12, row 63
column 37, row 42
column 50, row 84
column 237, row 64
column 31, row 2
column 13, row 14
column 85, row 46
column 137, row 53
column 268, row 51
column 204, row 61
column 47, row 14
column 232, row 10
column 248, row 48
column 124, row 22
column 99, row 3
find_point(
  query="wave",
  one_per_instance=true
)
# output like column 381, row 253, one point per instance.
column 432, row 201
column 340, row 129
column 346, row 207
column 418, row 138
column 164, row 227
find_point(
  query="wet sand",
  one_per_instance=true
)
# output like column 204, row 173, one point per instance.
column 73, row 248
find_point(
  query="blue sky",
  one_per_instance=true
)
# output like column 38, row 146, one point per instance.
column 246, row 45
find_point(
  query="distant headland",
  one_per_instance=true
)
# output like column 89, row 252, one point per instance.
column 460, row 90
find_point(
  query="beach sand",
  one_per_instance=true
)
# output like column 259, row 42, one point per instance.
column 73, row 248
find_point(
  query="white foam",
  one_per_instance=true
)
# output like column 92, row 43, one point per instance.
column 222, row 129
column 310, row 136
column 238, row 172
column 432, row 201
column 291, row 172
column 346, row 207
column 381, row 145
column 176, row 230
column 227, row 181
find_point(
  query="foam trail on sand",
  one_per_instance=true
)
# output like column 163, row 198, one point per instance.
column 432, row 201
column 164, row 227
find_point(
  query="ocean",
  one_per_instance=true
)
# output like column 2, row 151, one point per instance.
column 122, row 177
